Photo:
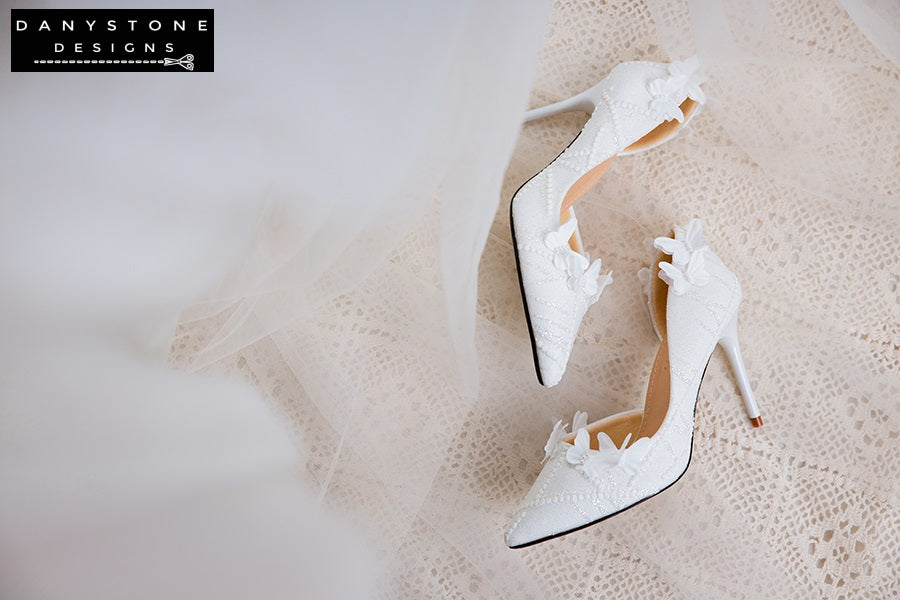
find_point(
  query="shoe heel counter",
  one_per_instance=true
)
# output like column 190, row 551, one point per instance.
column 728, row 277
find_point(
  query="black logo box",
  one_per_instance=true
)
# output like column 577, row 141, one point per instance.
column 112, row 40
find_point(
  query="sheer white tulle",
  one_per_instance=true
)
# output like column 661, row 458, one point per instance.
column 323, row 224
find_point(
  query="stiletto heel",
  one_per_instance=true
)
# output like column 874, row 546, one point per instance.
column 586, row 101
column 732, row 348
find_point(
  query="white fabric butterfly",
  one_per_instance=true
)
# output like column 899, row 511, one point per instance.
column 628, row 458
column 580, row 420
column 688, row 266
column 684, row 79
column 589, row 280
column 691, row 74
column 608, row 455
column 679, row 279
column 584, row 276
column 664, row 92
column 569, row 261
column 559, row 430
column 559, row 237
column 578, row 453
column 688, row 240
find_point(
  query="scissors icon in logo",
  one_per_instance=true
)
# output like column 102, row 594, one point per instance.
column 186, row 62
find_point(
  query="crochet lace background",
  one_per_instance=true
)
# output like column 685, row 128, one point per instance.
column 793, row 169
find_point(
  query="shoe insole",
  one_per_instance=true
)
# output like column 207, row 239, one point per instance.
column 584, row 183
column 656, row 403
column 639, row 425
column 664, row 130
column 573, row 241
column 579, row 189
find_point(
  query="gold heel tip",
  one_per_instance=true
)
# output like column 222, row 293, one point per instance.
column 756, row 422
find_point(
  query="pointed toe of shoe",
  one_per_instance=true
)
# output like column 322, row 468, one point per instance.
column 551, row 373
column 560, row 501
column 543, row 522
column 555, row 280
column 553, row 334
column 554, row 338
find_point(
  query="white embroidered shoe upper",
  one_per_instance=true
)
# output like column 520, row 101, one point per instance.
column 580, row 485
column 558, row 283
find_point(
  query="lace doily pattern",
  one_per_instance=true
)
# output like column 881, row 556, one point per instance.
column 792, row 172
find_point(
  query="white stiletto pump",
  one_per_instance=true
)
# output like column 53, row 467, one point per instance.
column 637, row 107
column 600, row 469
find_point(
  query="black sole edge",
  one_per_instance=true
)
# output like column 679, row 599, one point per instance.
column 630, row 506
column 512, row 230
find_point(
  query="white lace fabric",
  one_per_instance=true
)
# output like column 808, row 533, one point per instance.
column 791, row 167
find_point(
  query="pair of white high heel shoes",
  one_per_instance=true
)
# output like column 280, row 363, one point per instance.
column 599, row 469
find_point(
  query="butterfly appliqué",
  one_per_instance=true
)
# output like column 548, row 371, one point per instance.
column 560, row 237
column 684, row 79
column 608, row 455
column 690, row 74
column 664, row 104
column 688, row 266
column 579, row 421
column 680, row 279
column 687, row 242
column 583, row 275
column 559, row 430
